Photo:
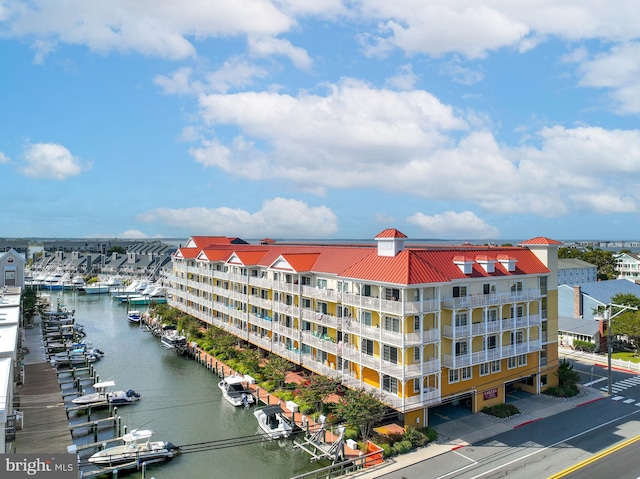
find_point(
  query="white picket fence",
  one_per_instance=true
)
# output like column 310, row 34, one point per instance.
column 598, row 358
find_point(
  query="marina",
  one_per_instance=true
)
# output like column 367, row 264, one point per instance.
column 182, row 403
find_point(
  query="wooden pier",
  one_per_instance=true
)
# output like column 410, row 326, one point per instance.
column 45, row 428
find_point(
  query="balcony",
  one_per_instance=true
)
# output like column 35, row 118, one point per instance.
column 479, row 300
column 283, row 286
column 324, row 368
column 402, row 404
column 320, row 318
column 260, row 322
column 324, row 343
column 479, row 357
column 263, row 341
column 328, row 295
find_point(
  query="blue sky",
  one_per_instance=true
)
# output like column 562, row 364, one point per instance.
column 320, row 118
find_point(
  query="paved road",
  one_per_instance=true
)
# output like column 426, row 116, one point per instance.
column 538, row 449
column 619, row 461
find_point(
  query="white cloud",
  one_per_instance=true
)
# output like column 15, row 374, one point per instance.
column 149, row 27
column 436, row 27
column 277, row 217
column 269, row 46
column 132, row 234
column 3, row 158
column 618, row 71
column 404, row 80
column 51, row 160
column 410, row 143
column 454, row 225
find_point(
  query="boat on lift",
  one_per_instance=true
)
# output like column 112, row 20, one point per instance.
column 273, row 423
column 103, row 395
column 137, row 449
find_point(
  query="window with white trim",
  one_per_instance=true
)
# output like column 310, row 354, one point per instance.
column 490, row 342
column 416, row 324
column 489, row 288
column 365, row 318
column 459, row 291
column 511, row 362
column 496, row 366
column 516, row 288
column 465, row 373
column 367, row 347
column 484, row 369
column 322, row 283
column 462, row 348
column 522, row 360
column 416, row 355
column 392, row 323
column 491, row 315
column 389, row 384
column 390, row 353
column 462, row 318
column 416, row 385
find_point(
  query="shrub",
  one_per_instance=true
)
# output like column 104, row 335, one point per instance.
column 563, row 392
column 584, row 346
column 501, row 410
column 402, row 447
column 416, row 437
column 387, row 450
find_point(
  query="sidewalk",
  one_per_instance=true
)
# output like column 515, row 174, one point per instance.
column 471, row 429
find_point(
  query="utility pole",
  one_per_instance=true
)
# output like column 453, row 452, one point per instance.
column 608, row 317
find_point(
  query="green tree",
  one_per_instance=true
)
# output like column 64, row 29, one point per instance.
column 568, row 379
column 362, row 410
column 276, row 369
column 32, row 305
column 626, row 322
column 117, row 249
column 317, row 390
column 605, row 261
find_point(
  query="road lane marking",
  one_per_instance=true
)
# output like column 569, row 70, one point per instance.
column 595, row 458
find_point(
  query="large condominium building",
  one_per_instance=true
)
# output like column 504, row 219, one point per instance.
column 421, row 325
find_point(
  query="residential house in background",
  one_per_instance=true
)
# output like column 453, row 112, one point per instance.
column 12, row 266
column 628, row 266
column 574, row 271
column 421, row 325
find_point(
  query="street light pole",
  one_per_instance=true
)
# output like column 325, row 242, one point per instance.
column 608, row 317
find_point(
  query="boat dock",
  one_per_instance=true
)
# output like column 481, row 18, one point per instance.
column 43, row 425
column 323, row 438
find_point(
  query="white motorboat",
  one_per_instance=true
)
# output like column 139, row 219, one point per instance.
column 273, row 422
column 77, row 356
column 137, row 448
column 134, row 316
column 102, row 394
column 234, row 391
column 133, row 289
column 172, row 340
column 96, row 288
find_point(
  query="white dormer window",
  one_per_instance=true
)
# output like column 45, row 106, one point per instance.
column 508, row 263
column 487, row 264
column 465, row 265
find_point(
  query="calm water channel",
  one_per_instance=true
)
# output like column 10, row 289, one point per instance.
column 180, row 401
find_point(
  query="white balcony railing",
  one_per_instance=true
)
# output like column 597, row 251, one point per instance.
column 480, row 300
column 479, row 357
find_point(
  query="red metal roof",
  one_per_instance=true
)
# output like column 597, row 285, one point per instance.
column 414, row 265
column 541, row 240
column 391, row 233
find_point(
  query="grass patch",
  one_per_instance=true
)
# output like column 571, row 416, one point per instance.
column 626, row 356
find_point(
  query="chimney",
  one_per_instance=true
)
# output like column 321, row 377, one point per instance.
column 577, row 301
